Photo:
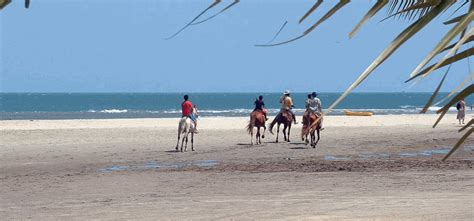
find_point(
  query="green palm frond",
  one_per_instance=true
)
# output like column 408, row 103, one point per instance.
column 4, row 3
column 464, row 93
column 450, row 60
column 458, row 144
column 218, row 13
column 435, row 93
column 310, row 11
column 458, row 28
column 376, row 8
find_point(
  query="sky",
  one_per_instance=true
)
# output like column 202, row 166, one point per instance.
column 120, row 46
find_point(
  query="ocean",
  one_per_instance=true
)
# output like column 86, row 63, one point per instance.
column 151, row 105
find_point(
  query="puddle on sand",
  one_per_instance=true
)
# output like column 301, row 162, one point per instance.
column 424, row 152
column 334, row 158
column 156, row 165
column 469, row 147
column 114, row 168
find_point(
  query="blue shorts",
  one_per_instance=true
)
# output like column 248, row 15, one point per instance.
column 193, row 117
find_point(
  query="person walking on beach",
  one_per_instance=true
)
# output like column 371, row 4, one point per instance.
column 287, row 104
column 313, row 105
column 260, row 106
column 187, row 109
column 461, row 107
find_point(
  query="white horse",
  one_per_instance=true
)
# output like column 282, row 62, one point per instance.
column 186, row 126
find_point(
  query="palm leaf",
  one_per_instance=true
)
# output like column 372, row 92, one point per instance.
column 435, row 93
column 216, row 2
column 471, row 38
column 464, row 93
column 218, row 13
column 410, row 9
column 467, row 125
column 469, row 52
column 310, row 29
column 278, row 33
column 454, row 20
column 4, row 3
column 378, row 5
column 458, row 144
column 455, row 90
column 464, row 54
column 445, row 40
column 310, row 11
column 396, row 43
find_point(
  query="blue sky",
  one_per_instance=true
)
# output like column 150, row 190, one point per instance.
column 100, row 46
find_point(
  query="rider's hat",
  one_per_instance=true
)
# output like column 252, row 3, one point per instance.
column 286, row 92
column 314, row 94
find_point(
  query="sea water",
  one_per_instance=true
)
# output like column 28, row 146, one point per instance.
column 145, row 105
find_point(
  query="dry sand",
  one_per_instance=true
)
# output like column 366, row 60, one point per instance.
column 380, row 167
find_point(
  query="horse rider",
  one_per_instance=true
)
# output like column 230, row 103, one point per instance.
column 187, row 110
column 313, row 105
column 287, row 104
column 260, row 106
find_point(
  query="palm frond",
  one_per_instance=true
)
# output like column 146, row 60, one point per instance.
column 216, row 2
column 457, row 89
column 458, row 28
column 376, row 8
column 310, row 11
column 412, row 8
column 454, row 20
column 468, row 52
column 467, row 125
column 218, row 13
column 458, row 144
column 4, row 3
column 310, row 29
column 396, row 43
column 278, row 33
column 435, row 93
column 464, row 93
column 471, row 38
column 453, row 59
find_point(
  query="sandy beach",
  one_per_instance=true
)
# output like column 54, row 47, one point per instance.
column 379, row 167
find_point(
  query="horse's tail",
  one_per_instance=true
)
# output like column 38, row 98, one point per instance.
column 251, row 125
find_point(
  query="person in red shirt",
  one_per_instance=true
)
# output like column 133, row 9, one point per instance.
column 187, row 111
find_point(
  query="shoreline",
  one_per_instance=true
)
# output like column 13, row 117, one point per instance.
column 226, row 123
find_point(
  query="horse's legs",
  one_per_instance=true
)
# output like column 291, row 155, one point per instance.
column 186, row 146
column 257, row 136
column 192, row 141
column 177, row 143
column 289, row 129
column 264, row 129
column 278, row 131
column 284, row 131
column 182, row 140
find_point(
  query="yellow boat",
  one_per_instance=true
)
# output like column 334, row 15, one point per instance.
column 353, row 113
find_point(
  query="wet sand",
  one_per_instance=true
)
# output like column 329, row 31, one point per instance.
column 380, row 167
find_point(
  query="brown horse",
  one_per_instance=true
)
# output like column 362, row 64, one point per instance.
column 286, row 119
column 311, row 124
column 257, row 119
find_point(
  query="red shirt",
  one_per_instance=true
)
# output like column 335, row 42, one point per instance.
column 187, row 108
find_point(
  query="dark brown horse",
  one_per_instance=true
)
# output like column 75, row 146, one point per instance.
column 286, row 119
column 311, row 124
column 257, row 119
